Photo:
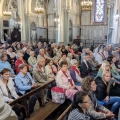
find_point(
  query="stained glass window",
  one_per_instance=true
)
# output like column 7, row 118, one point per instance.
column 99, row 11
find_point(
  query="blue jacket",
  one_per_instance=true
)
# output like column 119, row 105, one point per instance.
column 21, row 82
column 6, row 64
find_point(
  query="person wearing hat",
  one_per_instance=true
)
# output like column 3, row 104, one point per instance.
column 6, row 113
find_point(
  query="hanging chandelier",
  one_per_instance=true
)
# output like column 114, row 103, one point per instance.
column 39, row 10
column 86, row 4
column 6, row 12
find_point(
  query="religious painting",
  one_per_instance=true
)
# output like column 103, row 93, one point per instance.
column 99, row 15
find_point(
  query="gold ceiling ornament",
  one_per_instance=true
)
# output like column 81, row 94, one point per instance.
column 86, row 4
column 6, row 12
column 39, row 10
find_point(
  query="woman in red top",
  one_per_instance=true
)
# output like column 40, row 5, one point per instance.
column 19, row 61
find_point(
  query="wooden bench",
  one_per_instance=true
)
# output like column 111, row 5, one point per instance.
column 32, row 92
column 44, row 112
column 63, row 115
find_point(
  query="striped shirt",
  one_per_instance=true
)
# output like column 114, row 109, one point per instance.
column 76, row 115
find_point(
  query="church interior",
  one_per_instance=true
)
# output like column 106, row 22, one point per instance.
column 45, row 36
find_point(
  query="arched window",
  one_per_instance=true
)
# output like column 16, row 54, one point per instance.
column 99, row 15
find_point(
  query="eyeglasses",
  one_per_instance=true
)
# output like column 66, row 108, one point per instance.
column 88, row 102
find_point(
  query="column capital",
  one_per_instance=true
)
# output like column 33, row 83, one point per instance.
column 110, row 3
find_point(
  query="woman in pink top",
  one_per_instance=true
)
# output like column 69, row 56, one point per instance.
column 64, row 80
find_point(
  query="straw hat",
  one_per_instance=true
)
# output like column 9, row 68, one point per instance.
column 6, row 113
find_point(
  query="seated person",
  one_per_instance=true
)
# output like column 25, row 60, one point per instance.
column 32, row 60
column 81, row 102
column 12, row 55
column 75, row 73
column 49, row 70
column 93, row 63
column 63, row 58
column 27, row 54
column 64, row 80
column 39, row 74
column 6, row 113
column 89, row 86
column 55, row 65
column 24, row 83
column 19, row 61
column 85, row 67
column 103, row 90
column 114, row 70
column 7, row 86
column 5, row 64
column 69, row 58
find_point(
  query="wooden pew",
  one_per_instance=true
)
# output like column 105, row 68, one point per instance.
column 62, row 116
column 24, row 97
column 44, row 112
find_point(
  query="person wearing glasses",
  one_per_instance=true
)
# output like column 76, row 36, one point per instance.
column 89, row 86
column 25, row 83
column 81, row 102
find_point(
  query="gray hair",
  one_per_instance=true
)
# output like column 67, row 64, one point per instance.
column 54, row 58
column 31, row 52
column 73, row 61
column 41, row 49
column 40, row 58
column 69, row 54
column 19, row 55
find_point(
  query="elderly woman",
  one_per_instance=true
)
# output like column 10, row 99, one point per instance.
column 89, row 86
column 64, row 80
column 55, row 65
column 19, row 61
column 32, row 60
column 5, row 64
column 25, row 83
column 75, row 73
column 49, row 70
column 80, row 104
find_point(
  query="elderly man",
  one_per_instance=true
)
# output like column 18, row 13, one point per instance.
column 40, row 77
column 42, row 54
column 39, row 45
column 39, row 72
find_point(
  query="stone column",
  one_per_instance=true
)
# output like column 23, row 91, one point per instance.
column 23, row 25
column 108, row 34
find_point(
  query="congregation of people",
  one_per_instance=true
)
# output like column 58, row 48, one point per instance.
column 90, row 78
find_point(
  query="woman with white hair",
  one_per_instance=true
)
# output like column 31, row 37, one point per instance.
column 75, row 73
column 99, row 56
column 19, row 61
column 32, row 60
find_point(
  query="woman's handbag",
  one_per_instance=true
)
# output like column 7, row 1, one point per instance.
column 58, row 95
